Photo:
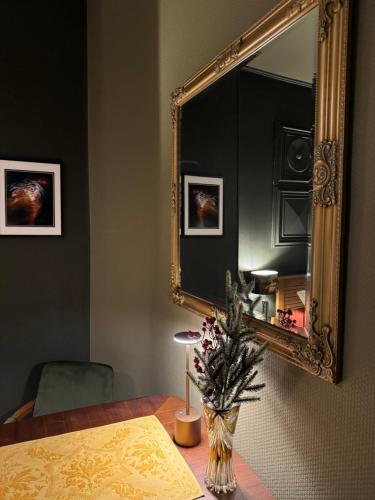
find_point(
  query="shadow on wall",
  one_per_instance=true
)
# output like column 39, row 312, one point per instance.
column 29, row 390
column 123, row 384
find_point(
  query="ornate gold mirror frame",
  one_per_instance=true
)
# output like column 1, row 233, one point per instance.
column 320, row 354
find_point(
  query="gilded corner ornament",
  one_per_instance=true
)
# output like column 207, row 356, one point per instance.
column 316, row 354
column 228, row 56
column 328, row 9
column 175, row 97
column 176, row 296
column 324, row 174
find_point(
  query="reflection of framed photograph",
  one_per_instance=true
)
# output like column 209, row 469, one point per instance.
column 30, row 199
column 203, row 206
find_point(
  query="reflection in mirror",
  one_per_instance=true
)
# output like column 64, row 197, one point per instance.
column 276, row 127
column 252, row 133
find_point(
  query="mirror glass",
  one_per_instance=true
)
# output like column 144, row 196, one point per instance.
column 245, row 160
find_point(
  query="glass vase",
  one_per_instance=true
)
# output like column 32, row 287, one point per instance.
column 221, row 425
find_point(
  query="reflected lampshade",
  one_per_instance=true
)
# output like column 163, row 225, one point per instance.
column 265, row 281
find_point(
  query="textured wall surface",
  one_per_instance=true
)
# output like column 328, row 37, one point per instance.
column 44, row 281
column 306, row 439
column 123, row 159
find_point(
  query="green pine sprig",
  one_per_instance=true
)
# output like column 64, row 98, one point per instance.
column 229, row 367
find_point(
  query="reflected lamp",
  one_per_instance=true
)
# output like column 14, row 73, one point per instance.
column 265, row 283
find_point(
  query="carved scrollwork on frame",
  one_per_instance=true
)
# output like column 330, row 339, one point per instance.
column 228, row 56
column 175, row 97
column 174, row 290
column 324, row 173
column 298, row 6
column 328, row 9
column 316, row 355
column 176, row 296
column 174, row 197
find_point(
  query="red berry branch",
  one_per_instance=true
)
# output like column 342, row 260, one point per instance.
column 285, row 318
column 211, row 338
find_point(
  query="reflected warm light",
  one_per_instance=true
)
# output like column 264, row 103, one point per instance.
column 264, row 272
column 251, row 258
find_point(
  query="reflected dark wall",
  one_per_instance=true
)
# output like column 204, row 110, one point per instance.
column 209, row 148
column 266, row 103
column 229, row 131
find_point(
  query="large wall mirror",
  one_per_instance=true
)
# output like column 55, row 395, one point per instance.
column 258, row 180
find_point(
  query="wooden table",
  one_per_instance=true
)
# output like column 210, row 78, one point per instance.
column 164, row 407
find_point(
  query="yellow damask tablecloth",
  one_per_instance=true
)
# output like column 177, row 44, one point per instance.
column 135, row 459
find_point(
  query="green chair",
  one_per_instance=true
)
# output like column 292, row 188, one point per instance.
column 66, row 385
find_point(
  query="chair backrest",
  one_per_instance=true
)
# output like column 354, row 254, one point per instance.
column 66, row 385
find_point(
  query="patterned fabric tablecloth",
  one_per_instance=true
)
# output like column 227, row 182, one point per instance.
column 135, row 459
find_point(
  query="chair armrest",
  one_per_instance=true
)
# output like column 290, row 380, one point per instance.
column 21, row 413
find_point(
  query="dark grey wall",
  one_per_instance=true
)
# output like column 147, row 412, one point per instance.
column 209, row 148
column 265, row 104
column 44, row 281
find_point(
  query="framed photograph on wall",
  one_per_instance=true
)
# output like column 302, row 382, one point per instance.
column 30, row 198
column 203, row 206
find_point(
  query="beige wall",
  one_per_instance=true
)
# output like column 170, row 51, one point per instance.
column 123, row 160
column 306, row 439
